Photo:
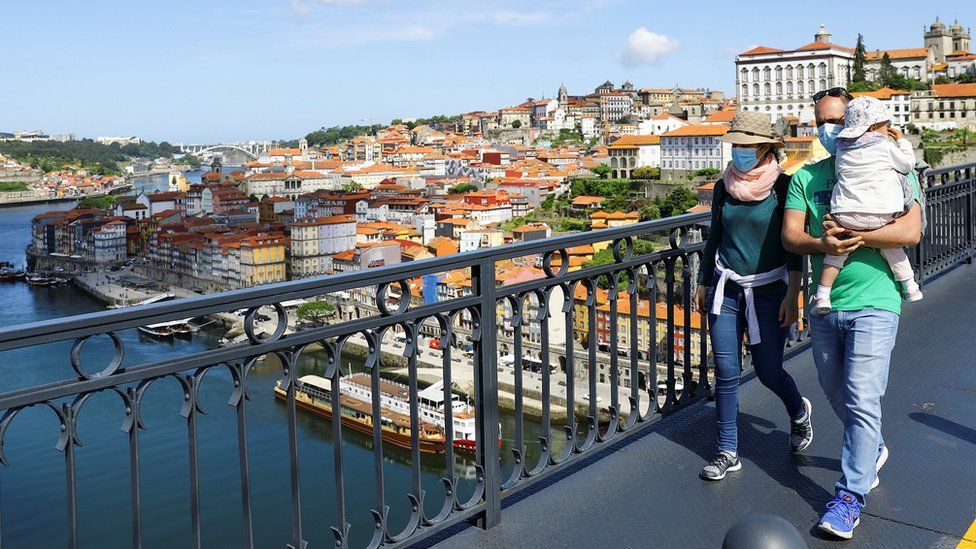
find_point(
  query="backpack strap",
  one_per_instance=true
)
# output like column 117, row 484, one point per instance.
column 718, row 196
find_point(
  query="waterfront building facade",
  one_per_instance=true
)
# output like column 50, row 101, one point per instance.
column 694, row 147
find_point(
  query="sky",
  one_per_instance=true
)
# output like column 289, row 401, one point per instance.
column 220, row 71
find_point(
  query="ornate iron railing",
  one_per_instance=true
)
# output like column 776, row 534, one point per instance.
column 624, row 329
column 949, row 238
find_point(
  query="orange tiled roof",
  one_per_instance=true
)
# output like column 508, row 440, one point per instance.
column 904, row 53
column 630, row 141
column 760, row 49
column 724, row 115
column 698, row 130
column 954, row 90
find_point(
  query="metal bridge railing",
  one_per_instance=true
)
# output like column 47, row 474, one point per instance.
column 631, row 318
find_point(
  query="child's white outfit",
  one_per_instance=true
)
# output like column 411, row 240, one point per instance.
column 868, row 193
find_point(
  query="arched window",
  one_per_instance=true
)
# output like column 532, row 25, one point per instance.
column 799, row 71
column 904, row 72
column 766, row 89
column 810, row 70
column 744, row 75
column 823, row 70
column 745, row 90
column 766, row 73
column 779, row 72
column 917, row 72
column 755, row 90
column 789, row 72
column 823, row 84
column 779, row 88
column 755, row 74
column 789, row 89
column 811, row 86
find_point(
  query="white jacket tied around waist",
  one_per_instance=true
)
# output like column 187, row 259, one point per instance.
column 868, row 179
column 747, row 283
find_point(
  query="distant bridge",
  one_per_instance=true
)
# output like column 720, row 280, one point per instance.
column 250, row 149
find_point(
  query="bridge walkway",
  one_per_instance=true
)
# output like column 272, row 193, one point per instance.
column 646, row 493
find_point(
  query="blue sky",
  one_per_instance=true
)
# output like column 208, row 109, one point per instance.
column 219, row 71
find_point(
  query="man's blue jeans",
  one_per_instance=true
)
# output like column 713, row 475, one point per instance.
column 852, row 350
column 726, row 331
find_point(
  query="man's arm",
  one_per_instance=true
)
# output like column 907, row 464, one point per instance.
column 904, row 231
column 796, row 239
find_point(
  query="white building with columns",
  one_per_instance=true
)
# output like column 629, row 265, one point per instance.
column 780, row 83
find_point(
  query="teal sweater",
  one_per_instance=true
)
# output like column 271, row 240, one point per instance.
column 747, row 237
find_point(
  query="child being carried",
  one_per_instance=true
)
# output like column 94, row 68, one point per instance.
column 868, row 193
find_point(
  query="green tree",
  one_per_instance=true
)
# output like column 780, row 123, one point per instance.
column 99, row 202
column 887, row 72
column 601, row 170
column 859, row 55
column 707, row 172
column 315, row 311
column 462, row 188
column 516, row 124
column 649, row 212
column 352, row 187
column 676, row 202
column 646, row 172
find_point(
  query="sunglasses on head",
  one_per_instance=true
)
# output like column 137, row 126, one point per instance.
column 833, row 92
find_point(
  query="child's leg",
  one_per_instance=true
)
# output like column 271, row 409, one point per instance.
column 902, row 269
column 831, row 268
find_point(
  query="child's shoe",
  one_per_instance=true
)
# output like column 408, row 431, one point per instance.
column 821, row 301
column 910, row 290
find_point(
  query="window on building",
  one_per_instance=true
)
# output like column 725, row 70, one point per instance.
column 917, row 72
column 799, row 88
column 744, row 75
column 789, row 72
column 745, row 90
column 755, row 74
column 823, row 70
column 755, row 90
column 789, row 89
column 779, row 88
column 779, row 72
column 766, row 73
column 766, row 89
column 799, row 71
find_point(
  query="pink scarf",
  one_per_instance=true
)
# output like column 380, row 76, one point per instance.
column 754, row 185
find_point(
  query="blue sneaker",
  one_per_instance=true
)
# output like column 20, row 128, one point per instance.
column 878, row 464
column 842, row 516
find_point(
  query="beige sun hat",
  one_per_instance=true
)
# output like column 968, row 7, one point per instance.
column 751, row 128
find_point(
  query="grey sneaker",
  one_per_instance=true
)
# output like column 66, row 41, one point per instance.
column 882, row 458
column 723, row 463
column 801, row 431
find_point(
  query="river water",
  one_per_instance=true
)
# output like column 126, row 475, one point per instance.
column 33, row 487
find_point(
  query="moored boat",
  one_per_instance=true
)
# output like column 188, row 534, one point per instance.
column 168, row 329
column 314, row 394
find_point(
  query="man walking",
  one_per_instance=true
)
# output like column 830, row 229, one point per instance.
column 852, row 344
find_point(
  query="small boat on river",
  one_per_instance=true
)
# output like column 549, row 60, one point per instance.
column 165, row 330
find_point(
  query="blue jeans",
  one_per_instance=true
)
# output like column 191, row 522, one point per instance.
column 852, row 350
column 726, row 332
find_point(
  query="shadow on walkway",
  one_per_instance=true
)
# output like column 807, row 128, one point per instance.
column 949, row 427
column 765, row 447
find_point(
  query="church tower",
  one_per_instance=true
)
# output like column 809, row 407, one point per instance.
column 939, row 40
column 823, row 36
column 563, row 96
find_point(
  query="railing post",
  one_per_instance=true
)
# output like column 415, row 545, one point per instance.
column 969, row 215
column 486, row 389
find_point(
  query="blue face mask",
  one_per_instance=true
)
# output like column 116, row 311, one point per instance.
column 828, row 136
column 744, row 159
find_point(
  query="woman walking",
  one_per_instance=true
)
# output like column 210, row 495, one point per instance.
column 749, row 285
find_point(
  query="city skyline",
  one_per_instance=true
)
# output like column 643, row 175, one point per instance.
column 263, row 71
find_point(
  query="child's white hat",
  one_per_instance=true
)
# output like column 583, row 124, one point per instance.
column 862, row 113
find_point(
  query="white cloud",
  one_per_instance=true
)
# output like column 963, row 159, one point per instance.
column 646, row 48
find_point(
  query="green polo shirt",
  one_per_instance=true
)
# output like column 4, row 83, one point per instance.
column 866, row 281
